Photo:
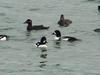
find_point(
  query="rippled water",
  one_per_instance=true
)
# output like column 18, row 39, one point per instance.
column 19, row 56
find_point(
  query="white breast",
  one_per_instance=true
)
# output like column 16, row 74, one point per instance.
column 56, row 38
column 42, row 46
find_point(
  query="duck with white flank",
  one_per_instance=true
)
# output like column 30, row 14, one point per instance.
column 58, row 37
column 35, row 27
column 64, row 22
column 3, row 37
column 42, row 43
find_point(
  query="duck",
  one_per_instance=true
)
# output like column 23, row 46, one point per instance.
column 42, row 42
column 3, row 37
column 64, row 22
column 99, row 8
column 35, row 27
column 97, row 30
column 58, row 37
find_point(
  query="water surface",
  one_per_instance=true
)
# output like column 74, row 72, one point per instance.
column 19, row 56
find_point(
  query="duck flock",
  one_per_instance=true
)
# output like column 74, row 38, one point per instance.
column 58, row 37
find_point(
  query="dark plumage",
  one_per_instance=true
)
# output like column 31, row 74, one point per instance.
column 97, row 30
column 99, row 8
column 64, row 22
column 35, row 27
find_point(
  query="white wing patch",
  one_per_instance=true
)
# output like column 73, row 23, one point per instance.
column 65, row 39
column 3, row 39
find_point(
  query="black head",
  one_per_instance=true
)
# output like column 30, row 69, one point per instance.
column 57, row 33
column 99, row 7
column 43, row 40
column 28, row 21
column 37, row 44
column 62, row 17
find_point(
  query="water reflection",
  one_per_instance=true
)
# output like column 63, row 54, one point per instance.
column 8, row 28
column 43, row 56
column 57, row 44
column 2, row 14
column 28, row 33
column 34, row 9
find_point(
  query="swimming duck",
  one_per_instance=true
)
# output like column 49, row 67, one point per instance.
column 35, row 27
column 58, row 37
column 42, row 43
column 3, row 37
column 97, row 30
column 64, row 22
column 99, row 8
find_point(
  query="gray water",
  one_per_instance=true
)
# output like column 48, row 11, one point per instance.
column 19, row 56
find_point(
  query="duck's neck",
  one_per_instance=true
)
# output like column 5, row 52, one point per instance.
column 62, row 18
column 30, row 24
column 29, row 27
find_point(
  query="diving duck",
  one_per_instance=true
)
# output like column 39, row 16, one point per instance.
column 64, row 22
column 35, row 27
column 58, row 37
column 42, row 43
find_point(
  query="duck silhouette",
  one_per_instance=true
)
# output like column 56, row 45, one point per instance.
column 64, row 22
column 35, row 27
column 42, row 43
column 58, row 37
column 97, row 30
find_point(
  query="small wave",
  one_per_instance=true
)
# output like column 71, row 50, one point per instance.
column 6, row 6
column 9, row 20
column 91, row 0
column 2, row 14
column 94, row 0
column 13, row 71
column 34, row 9
column 10, row 28
column 17, row 39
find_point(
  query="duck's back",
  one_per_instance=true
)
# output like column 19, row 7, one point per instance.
column 61, row 23
column 68, row 21
column 65, row 22
column 97, row 30
column 37, row 27
column 70, row 39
